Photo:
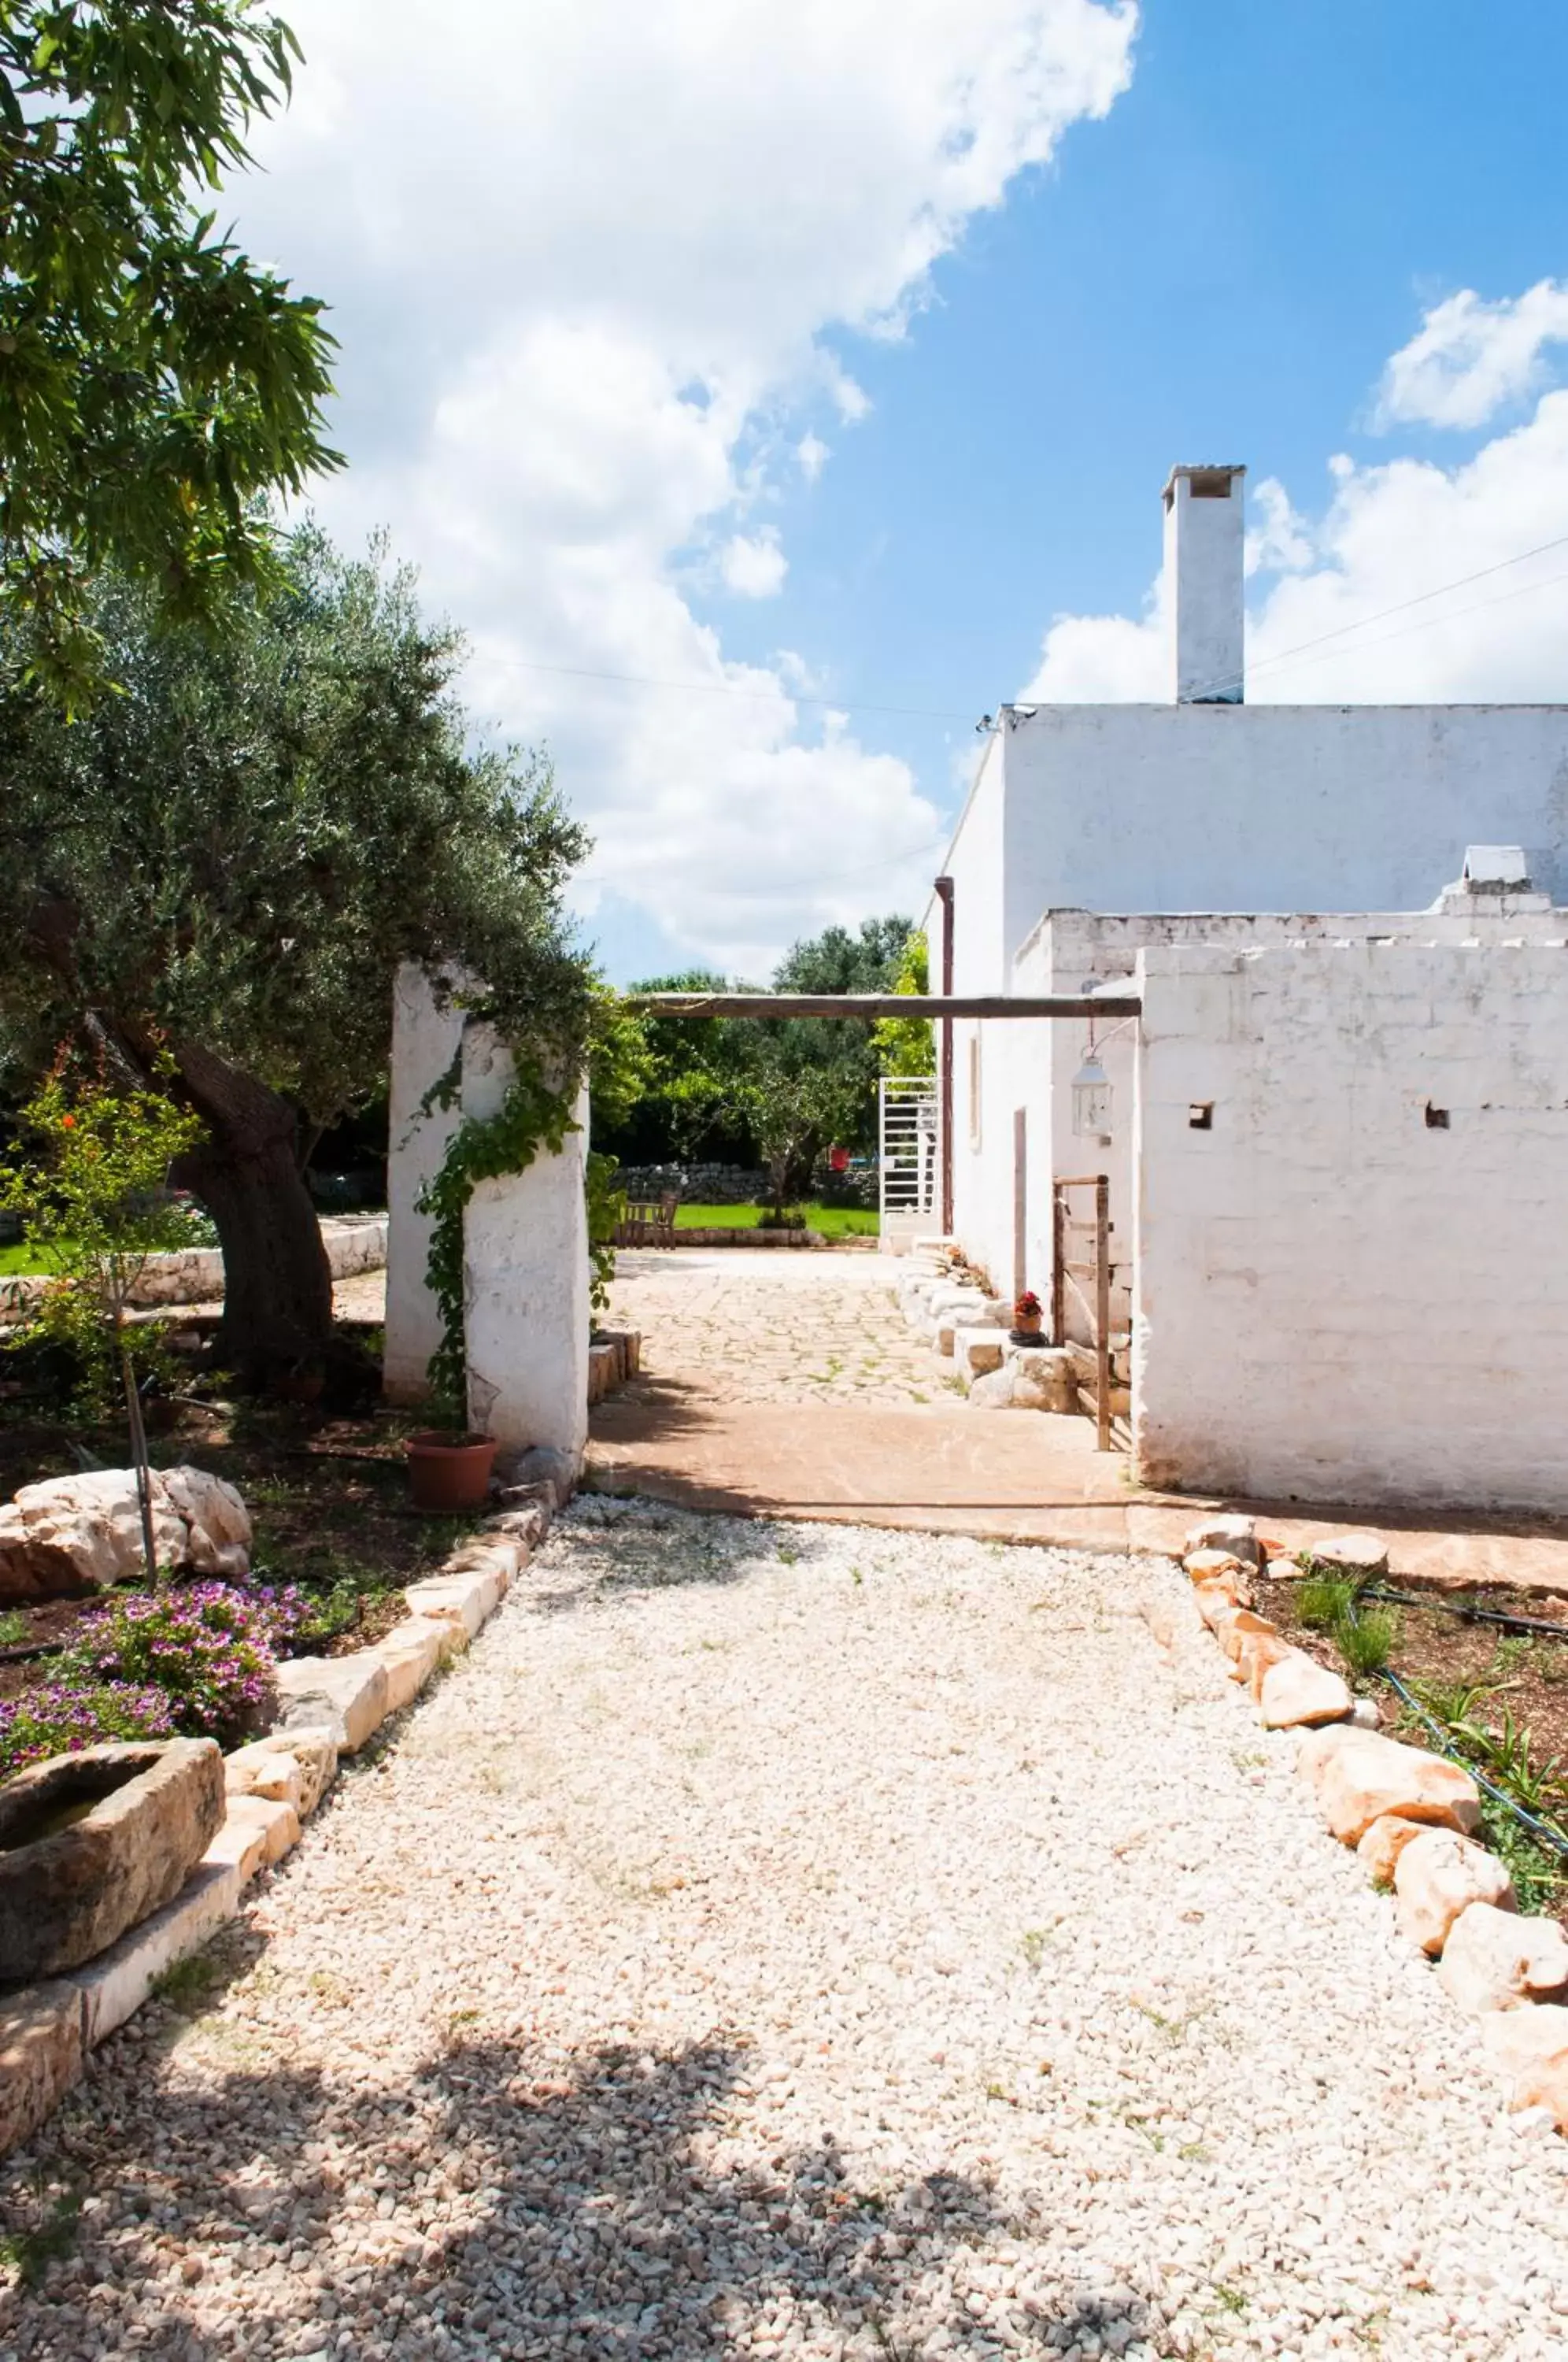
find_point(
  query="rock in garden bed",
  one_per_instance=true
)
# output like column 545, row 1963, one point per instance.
column 74, row 1535
column 1357, row 1776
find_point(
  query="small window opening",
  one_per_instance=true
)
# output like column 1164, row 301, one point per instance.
column 1209, row 484
column 1200, row 1116
column 1437, row 1118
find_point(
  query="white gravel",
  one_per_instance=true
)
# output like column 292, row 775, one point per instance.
column 795, row 1941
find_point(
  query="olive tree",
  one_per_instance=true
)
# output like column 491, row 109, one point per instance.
column 223, row 865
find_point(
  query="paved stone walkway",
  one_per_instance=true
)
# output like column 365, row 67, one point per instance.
column 753, row 1326
column 810, row 1943
column 787, row 1385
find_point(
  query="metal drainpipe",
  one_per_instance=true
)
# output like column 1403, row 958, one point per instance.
column 944, row 896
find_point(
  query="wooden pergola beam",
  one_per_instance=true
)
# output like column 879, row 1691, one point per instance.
column 885, row 1004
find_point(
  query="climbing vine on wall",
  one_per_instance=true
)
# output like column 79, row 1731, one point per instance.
column 606, row 1210
column 531, row 1117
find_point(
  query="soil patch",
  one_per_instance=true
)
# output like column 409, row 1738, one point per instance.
column 1466, row 1672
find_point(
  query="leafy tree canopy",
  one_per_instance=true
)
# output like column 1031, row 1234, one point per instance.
column 231, row 857
column 907, row 1045
column 836, row 961
column 769, row 1091
column 153, row 381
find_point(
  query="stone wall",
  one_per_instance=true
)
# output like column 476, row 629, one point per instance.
column 1349, row 1274
column 697, row 1185
column 353, row 1243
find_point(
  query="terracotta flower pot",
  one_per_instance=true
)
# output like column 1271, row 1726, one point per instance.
column 447, row 1473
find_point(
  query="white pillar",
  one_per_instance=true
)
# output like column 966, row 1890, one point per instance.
column 427, row 1041
column 525, row 1278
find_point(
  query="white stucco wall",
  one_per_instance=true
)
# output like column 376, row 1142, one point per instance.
column 1269, row 807
column 526, row 1305
column 1214, row 809
column 426, row 1039
column 1336, row 1300
column 1070, row 947
column 982, row 1176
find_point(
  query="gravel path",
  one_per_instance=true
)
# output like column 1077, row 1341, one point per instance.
column 795, row 1941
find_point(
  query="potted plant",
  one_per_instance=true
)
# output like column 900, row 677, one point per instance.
column 1027, row 1318
column 449, row 1467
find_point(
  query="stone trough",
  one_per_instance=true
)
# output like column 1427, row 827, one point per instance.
column 93, row 1843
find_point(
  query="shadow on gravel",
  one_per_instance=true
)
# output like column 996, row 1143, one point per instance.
column 614, row 1544
column 497, row 2205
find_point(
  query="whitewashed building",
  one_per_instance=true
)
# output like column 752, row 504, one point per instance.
column 1330, row 1138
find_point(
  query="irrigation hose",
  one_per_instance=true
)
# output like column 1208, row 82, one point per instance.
column 1467, row 1612
column 1542, row 1830
column 1548, row 1629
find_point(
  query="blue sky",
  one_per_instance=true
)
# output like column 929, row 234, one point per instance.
column 618, row 374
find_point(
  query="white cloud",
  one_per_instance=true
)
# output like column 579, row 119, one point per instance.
column 1470, row 358
column 1278, row 541
column 1104, row 659
column 585, row 259
column 1350, row 612
column 753, row 564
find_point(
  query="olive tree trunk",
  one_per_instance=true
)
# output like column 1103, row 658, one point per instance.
column 277, row 1314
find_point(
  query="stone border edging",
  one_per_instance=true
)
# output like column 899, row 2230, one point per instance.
column 614, row 1355
column 970, row 1330
column 1412, row 1818
column 194, row 1274
column 328, row 1707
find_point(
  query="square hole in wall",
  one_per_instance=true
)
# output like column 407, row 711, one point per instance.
column 1437, row 1118
column 1200, row 1116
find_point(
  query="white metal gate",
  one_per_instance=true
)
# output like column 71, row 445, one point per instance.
column 909, row 1164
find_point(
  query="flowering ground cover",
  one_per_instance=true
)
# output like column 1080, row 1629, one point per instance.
column 336, row 1541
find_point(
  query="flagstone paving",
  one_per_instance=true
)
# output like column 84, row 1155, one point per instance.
column 756, row 1396
column 776, row 1326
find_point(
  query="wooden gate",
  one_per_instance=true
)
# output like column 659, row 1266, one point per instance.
column 1081, row 1284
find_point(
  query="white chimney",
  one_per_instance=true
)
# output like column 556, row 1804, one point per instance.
column 1203, row 583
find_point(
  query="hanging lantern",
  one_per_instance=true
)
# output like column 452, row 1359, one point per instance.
column 1091, row 1098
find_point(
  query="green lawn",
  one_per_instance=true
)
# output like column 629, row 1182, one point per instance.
column 21, row 1262
column 831, row 1221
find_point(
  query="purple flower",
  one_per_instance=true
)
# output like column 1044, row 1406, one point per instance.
column 61, row 1716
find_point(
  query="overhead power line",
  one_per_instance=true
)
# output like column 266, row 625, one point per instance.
column 730, row 688
column 1362, row 623
column 953, row 714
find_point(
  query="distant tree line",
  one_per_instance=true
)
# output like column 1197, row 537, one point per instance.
column 775, row 1092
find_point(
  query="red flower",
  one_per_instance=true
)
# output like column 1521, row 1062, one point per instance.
column 68, row 1123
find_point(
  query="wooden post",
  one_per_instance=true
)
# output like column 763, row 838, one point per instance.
column 944, row 896
column 1058, row 1264
column 1020, row 1201
column 1102, row 1306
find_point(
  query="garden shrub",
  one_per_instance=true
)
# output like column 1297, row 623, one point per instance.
column 62, row 1716
column 209, row 1647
